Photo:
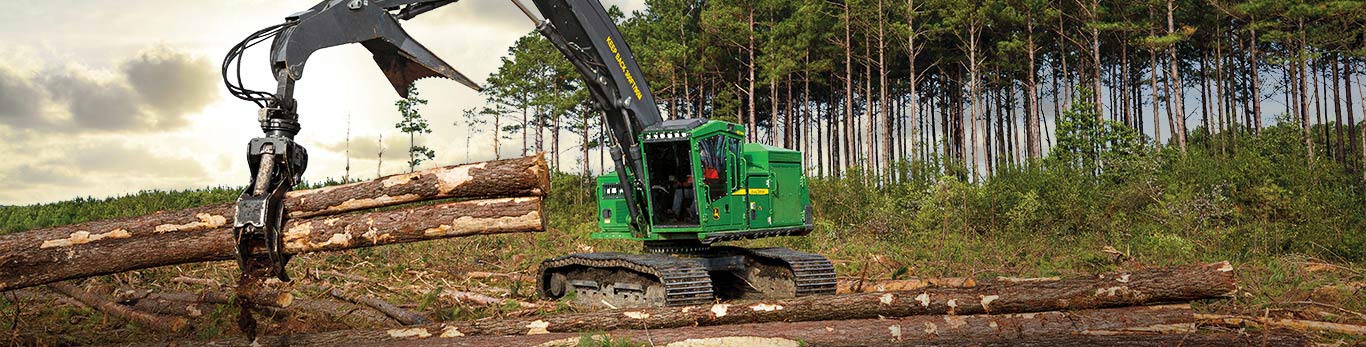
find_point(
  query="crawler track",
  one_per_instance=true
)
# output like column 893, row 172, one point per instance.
column 685, row 282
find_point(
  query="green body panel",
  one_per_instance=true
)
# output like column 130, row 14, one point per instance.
column 744, row 187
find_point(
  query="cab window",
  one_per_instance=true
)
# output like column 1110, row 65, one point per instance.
column 713, row 152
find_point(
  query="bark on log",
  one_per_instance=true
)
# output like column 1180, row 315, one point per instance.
column 1133, row 326
column 401, row 315
column 333, row 310
column 527, row 176
column 171, row 308
column 35, row 258
column 197, row 281
column 480, row 299
column 842, row 334
column 343, row 275
column 1129, row 326
column 162, row 323
column 262, row 298
column 166, row 303
column 858, row 285
column 1296, row 324
column 1176, row 284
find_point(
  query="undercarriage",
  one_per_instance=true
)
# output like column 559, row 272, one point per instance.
column 623, row 280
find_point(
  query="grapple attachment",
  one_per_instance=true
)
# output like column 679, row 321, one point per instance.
column 338, row 22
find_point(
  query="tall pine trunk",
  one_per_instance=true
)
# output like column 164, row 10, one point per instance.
column 1178, row 96
column 1157, row 122
column 1031, row 87
column 848, row 87
column 752, row 127
column 1341, row 153
column 912, row 51
column 1351, row 115
column 1256, row 81
column 883, row 115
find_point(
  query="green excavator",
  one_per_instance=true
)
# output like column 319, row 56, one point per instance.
column 680, row 186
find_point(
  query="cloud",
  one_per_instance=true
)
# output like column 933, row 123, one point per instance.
column 172, row 82
column 125, row 160
column 30, row 175
column 92, row 104
column 96, row 168
column 366, row 148
column 20, row 100
column 153, row 91
column 502, row 14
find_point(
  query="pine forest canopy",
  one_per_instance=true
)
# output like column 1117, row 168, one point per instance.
column 978, row 84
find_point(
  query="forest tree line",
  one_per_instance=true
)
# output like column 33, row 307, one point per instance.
column 977, row 84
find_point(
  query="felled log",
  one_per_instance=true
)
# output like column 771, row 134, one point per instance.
column 54, row 254
column 197, row 281
column 98, row 302
column 185, row 304
column 479, row 299
column 1130, row 326
column 1150, row 286
column 333, row 310
column 858, row 285
column 23, row 262
column 1295, row 324
column 401, row 315
column 528, row 176
column 172, row 308
column 842, row 334
column 280, row 299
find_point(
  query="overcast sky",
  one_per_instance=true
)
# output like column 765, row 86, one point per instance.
column 103, row 98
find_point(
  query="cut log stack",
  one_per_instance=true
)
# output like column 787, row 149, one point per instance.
column 1124, row 308
column 495, row 197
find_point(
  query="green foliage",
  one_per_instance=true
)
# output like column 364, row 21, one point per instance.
column 20, row 218
column 1089, row 144
column 1162, row 206
column 413, row 124
column 604, row 340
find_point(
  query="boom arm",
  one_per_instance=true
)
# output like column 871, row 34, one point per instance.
column 584, row 33
column 580, row 29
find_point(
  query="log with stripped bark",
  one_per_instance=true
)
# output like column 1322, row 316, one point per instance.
column 1165, row 325
column 1128, row 326
column 1139, row 287
column 99, row 302
column 509, row 190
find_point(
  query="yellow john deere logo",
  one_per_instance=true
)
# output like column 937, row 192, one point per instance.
column 622, row 63
column 715, row 213
column 751, row 191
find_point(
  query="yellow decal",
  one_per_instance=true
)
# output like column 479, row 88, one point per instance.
column 751, row 191
column 715, row 213
column 622, row 63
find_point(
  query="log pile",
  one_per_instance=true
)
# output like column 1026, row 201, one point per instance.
column 497, row 197
column 1101, row 310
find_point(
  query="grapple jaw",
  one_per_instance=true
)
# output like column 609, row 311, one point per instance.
column 337, row 22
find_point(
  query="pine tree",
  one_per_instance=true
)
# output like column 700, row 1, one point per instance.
column 414, row 124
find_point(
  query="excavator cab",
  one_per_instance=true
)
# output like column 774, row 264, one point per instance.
column 707, row 185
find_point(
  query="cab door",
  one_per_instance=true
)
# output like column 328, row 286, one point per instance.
column 718, row 159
